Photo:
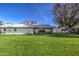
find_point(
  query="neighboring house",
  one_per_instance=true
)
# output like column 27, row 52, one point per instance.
column 74, row 29
column 59, row 30
column 24, row 29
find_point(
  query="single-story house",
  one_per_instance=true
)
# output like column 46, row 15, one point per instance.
column 24, row 29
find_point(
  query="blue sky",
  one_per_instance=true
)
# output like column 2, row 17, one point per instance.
column 16, row 13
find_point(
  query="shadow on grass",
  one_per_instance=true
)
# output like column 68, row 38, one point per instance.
column 64, row 35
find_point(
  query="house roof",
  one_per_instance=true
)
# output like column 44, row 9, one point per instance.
column 23, row 25
column 14, row 25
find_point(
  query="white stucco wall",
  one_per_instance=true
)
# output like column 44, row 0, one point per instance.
column 18, row 30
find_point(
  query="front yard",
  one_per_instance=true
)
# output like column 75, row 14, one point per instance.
column 39, row 45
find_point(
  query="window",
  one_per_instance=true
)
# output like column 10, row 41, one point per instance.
column 14, row 29
column 4, row 29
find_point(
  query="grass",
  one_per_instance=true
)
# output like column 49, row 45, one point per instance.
column 39, row 45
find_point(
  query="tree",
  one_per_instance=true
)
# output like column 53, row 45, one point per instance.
column 66, row 14
column 1, row 23
column 29, row 22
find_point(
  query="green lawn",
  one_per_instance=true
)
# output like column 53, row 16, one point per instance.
column 39, row 45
